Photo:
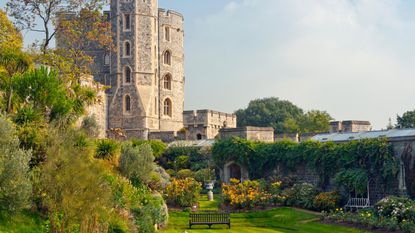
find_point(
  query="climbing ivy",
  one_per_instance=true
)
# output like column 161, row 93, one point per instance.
column 362, row 160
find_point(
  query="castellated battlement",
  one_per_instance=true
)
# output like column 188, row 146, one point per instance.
column 205, row 124
column 169, row 13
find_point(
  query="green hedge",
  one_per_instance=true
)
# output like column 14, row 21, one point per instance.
column 372, row 156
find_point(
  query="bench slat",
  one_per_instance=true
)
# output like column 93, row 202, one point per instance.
column 209, row 218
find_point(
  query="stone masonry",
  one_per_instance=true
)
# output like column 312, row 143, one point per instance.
column 205, row 124
column 349, row 126
column 145, row 73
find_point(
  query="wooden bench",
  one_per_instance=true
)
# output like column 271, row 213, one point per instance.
column 357, row 203
column 209, row 218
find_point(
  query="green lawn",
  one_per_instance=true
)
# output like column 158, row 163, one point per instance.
column 273, row 221
column 22, row 223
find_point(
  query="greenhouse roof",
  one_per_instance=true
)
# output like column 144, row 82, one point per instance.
column 392, row 135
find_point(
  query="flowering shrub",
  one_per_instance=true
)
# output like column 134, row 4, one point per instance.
column 246, row 195
column 300, row 195
column 326, row 201
column 391, row 214
column 275, row 190
column 399, row 208
column 183, row 192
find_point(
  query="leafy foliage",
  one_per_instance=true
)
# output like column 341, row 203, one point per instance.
column 67, row 184
column 270, row 112
column 183, row 192
column 326, row 201
column 283, row 116
column 400, row 208
column 371, row 158
column 300, row 195
column 12, row 64
column 90, row 126
column 193, row 158
column 28, row 14
column 246, row 195
column 315, row 121
column 407, row 120
column 106, row 149
column 158, row 147
column 15, row 185
column 137, row 162
column 10, row 37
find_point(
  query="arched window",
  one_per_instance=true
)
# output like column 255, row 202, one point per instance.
column 127, row 49
column 167, row 82
column 167, row 57
column 127, row 74
column 127, row 103
column 199, row 136
column 167, row 107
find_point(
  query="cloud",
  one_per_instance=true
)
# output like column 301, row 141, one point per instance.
column 351, row 58
column 231, row 7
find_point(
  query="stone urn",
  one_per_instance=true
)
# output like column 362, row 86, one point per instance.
column 209, row 186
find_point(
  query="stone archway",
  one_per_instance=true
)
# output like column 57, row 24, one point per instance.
column 234, row 170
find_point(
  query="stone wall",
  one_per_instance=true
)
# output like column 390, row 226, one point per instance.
column 295, row 137
column 172, row 42
column 264, row 134
column 350, row 126
column 98, row 109
column 165, row 136
column 205, row 124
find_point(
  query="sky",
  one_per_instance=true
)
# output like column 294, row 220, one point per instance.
column 354, row 59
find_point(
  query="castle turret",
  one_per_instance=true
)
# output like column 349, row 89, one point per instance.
column 171, row 50
column 145, row 72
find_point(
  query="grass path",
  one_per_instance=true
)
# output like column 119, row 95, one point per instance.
column 24, row 222
column 279, row 220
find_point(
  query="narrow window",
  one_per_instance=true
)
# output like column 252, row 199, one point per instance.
column 127, row 74
column 127, row 49
column 167, row 57
column 167, row 33
column 167, row 82
column 107, row 59
column 127, row 22
column 167, row 107
column 127, row 103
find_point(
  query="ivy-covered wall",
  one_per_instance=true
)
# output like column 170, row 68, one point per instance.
column 348, row 166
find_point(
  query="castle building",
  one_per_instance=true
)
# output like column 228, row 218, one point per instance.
column 145, row 73
column 206, row 124
column 349, row 126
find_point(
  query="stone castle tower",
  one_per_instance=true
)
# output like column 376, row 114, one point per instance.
column 145, row 73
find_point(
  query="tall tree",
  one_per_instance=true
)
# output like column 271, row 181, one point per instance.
column 10, row 37
column 73, row 188
column 27, row 14
column 15, row 186
column 137, row 162
column 14, row 63
column 315, row 121
column 282, row 115
column 407, row 120
column 42, row 90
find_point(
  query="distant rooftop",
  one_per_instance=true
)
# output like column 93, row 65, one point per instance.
column 392, row 135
